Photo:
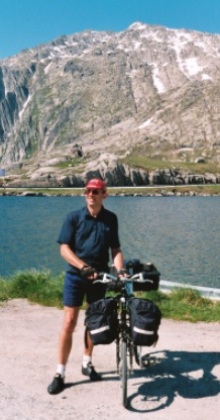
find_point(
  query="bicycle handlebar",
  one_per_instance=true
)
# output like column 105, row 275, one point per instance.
column 109, row 278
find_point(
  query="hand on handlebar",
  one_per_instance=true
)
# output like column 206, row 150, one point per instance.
column 89, row 272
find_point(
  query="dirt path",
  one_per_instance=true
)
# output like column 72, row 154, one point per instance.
column 183, row 383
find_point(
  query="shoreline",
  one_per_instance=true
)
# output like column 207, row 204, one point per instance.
column 208, row 190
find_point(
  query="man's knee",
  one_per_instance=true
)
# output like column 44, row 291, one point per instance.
column 70, row 320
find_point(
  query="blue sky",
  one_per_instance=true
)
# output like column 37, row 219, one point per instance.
column 28, row 23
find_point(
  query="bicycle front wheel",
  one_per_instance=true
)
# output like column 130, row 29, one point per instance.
column 124, row 372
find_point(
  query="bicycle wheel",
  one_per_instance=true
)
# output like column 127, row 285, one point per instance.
column 124, row 372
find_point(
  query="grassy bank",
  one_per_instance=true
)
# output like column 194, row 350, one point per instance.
column 45, row 289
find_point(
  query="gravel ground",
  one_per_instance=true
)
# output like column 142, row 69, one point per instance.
column 184, row 381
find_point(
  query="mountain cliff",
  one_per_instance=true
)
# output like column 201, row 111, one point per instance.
column 84, row 103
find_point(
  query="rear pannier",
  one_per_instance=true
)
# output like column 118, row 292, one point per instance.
column 101, row 321
column 145, row 319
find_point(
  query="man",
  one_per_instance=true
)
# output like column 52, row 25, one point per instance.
column 85, row 239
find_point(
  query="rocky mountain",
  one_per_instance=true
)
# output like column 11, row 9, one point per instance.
column 80, row 105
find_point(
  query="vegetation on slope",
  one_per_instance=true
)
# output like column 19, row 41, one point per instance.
column 45, row 289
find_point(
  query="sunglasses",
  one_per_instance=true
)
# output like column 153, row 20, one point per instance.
column 92, row 191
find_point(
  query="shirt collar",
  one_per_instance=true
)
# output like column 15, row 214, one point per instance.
column 89, row 216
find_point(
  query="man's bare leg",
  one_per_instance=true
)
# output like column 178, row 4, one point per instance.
column 66, row 336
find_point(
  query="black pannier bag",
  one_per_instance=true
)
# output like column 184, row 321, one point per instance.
column 145, row 319
column 149, row 271
column 101, row 321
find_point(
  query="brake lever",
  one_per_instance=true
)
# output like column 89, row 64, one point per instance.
column 105, row 278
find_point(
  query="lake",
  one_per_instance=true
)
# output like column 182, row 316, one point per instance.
column 180, row 235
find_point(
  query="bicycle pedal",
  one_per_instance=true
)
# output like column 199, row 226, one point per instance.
column 148, row 361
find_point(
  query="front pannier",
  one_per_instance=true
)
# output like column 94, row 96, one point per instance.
column 101, row 321
column 145, row 319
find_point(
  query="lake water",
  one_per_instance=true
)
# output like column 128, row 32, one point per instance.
column 180, row 235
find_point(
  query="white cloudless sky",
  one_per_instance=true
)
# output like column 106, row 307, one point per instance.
column 28, row 23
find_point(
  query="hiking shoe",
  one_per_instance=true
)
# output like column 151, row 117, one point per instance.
column 90, row 371
column 57, row 385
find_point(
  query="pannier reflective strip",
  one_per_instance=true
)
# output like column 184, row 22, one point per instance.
column 139, row 330
column 101, row 329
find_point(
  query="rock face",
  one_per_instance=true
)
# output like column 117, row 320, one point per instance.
column 113, row 172
column 149, row 89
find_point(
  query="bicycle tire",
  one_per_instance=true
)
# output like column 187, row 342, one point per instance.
column 124, row 372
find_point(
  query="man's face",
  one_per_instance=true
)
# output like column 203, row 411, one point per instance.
column 94, row 196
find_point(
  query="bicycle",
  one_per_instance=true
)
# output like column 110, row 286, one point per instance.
column 126, row 349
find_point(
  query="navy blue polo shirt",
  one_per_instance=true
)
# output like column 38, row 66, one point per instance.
column 90, row 238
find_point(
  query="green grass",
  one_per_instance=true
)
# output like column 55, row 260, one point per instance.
column 186, row 305
column 150, row 164
column 69, row 163
column 45, row 289
column 39, row 287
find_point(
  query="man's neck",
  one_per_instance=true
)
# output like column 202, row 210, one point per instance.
column 94, row 211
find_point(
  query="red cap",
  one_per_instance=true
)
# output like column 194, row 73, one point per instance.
column 96, row 183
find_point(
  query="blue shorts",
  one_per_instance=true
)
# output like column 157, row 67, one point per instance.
column 77, row 288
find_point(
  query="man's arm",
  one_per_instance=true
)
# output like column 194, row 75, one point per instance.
column 70, row 257
column 117, row 258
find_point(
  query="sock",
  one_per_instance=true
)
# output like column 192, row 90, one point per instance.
column 61, row 370
column 86, row 360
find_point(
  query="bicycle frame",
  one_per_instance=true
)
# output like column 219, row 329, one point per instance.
column 124, row 326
